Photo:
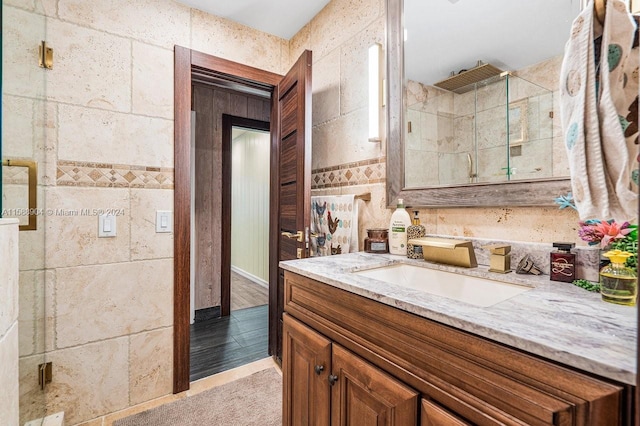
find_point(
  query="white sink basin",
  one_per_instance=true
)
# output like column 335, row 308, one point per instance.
column 473, row 290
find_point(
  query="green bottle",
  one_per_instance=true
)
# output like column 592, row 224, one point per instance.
column 618, row 283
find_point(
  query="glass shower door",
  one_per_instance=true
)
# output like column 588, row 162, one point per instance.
column 26, row 142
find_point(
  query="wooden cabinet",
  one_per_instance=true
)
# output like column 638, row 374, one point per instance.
column 324, row 384
column 383, row 356
column 431, row 414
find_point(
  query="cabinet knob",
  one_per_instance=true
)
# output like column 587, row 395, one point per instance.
column 319, row 369
column 332, row 379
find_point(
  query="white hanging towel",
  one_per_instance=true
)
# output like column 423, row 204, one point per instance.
column 334, row 218
column 595, row 99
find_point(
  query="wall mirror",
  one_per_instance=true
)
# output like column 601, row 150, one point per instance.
column 473, row 115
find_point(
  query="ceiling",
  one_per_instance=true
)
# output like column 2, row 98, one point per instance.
column 282, row 18
column 452, row 35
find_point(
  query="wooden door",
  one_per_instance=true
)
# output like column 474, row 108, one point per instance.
column 364, row 395
column 290, row 210
column 306, row 364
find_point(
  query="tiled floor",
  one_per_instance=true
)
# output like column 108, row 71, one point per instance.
column 196, row 387
column 223, row 343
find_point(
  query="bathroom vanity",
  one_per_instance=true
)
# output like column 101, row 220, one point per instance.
column 359, row 349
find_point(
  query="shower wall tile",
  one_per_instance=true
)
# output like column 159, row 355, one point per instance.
column 414, row 139
column 453, row 168
column 150, row 365
column 235, row 42
column 76, row 241
column 32, row 400
column 27, row 318
column 9, row 278
column 152, row 81
column 89, row 380
column 9, row 378
column 326, row 89
column 492, row 164
column 545, row 74
column 17, row 129
column 122, row 138
column 145, row 242
column 421, row 171
column 94, row 73
column 19, row 74
column 491, row 128
column 9, row 336
column 417, row 94
column 535, row 161
column 464, row 132
column 428, row 129
column 158, row 22
column 104, row 301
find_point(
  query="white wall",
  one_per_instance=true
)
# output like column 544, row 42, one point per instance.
column 250, row 204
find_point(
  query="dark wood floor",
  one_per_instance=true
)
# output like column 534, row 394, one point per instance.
column 220, row 344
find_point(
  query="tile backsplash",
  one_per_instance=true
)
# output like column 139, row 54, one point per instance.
column 587, row 258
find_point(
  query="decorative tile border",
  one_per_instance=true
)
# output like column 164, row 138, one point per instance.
column 79, row 173
column 349, row 174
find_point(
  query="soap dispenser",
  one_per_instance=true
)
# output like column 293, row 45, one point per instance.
column 415, row 231
column 618, row 283
column 400, row 221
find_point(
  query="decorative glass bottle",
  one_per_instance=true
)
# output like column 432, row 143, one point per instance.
column 618, row 283
column 415, row 231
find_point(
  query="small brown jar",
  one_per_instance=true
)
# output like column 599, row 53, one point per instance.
column 377, row 241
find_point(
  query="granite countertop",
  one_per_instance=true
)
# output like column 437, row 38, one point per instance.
column 554, row 320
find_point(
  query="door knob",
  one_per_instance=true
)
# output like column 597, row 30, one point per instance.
column 332, row 379
column 319, row 369
column 299, row 236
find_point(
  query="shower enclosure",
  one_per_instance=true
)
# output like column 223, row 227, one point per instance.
column 26, row 146
column 496, row 130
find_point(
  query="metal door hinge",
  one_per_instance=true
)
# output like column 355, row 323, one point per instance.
column 45, row 53
column 299, row 253
column 45, row 374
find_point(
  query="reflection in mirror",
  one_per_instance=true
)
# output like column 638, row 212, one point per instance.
column 481, row 101
column 478, row 101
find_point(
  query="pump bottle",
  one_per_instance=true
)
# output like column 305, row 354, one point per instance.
column 400, row 221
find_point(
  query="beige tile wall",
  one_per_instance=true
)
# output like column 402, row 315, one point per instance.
column 100, row 126
column 340, row 132
column 9, row 324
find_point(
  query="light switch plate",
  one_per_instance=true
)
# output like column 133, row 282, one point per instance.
column 106, row 226
column 164, row 221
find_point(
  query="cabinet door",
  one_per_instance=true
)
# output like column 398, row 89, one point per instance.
column 432, row 414
column 364, row 395
column 306, row 363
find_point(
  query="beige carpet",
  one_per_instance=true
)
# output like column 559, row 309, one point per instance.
column 252, row 400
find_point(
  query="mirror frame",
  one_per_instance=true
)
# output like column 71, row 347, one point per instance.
column 525, row 193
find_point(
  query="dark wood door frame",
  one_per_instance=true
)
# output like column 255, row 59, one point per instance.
column 189, row 65
column 228, row 123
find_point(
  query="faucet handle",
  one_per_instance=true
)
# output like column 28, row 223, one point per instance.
column 499, row 249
